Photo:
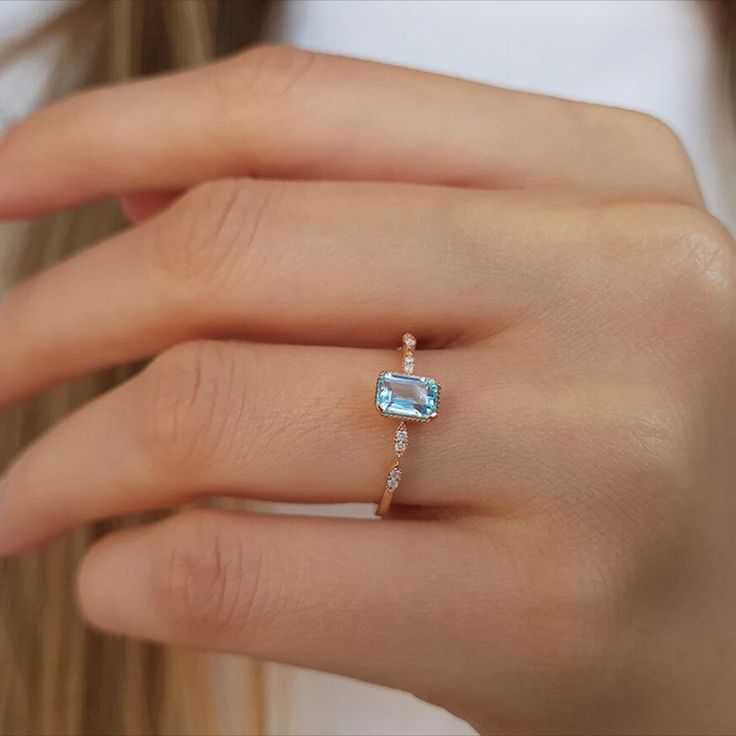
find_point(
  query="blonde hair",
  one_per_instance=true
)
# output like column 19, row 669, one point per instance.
column 58, row 676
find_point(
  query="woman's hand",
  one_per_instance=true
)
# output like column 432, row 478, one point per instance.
column 560, row 556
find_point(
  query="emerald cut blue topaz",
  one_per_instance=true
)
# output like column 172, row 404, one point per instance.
column 407, row 396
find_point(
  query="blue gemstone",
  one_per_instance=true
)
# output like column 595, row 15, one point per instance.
column 407, row 396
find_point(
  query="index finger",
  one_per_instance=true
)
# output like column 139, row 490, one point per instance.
column 284, row 113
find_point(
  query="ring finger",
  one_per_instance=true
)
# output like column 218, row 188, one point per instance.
column 280, row 423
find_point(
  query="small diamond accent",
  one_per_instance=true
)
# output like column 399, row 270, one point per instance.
column 394, row 476
column 410, row 341
column 401, row 439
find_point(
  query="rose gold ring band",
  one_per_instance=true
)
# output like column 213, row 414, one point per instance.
column 408, row 398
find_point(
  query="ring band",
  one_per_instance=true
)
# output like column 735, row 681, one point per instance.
column 406, row 397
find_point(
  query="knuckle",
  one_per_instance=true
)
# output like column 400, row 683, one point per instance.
column 206, row 579
column 696, row 277
column 273, row 70
column 650, row 145
column 646, row 464
column 701, row 255
column 270, row 74
column 186, row 399
column 639, row 454
column 650, row 132
column 182, row 257
column 633, row 460
column 208, row 234
column 678, row 264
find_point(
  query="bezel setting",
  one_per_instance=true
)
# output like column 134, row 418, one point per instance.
column 389, row 407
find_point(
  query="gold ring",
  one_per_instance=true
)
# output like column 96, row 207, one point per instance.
column 408, row 398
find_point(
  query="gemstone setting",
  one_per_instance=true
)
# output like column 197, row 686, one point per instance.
column 406, row 396
column 394, row 476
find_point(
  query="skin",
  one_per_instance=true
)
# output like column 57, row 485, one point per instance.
column 560, row 554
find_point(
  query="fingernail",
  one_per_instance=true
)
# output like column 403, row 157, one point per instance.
column 114, row 585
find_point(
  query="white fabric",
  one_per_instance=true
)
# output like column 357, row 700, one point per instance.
column 660, row 57
column 23, row 82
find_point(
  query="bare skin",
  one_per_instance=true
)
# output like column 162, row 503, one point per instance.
column 560, row 555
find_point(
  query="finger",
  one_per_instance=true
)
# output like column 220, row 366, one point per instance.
column 357, row 598
column 139, row 207
column 278, row 423
column 285, row 113
column 338, row 264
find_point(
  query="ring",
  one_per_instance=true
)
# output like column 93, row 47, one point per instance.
column 406, row 397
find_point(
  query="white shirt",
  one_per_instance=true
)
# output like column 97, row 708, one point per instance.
column 663, row 58
column 660, row 57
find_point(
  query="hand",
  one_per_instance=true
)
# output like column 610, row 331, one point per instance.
column 560, row 557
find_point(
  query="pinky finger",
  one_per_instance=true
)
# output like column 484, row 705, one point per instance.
column 351, row 597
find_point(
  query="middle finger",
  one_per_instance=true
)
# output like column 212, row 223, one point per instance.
column 307, row 263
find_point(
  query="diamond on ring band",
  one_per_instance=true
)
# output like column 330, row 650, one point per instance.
column 406, row 397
